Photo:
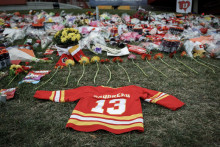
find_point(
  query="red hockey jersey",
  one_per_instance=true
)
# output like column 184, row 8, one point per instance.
column 116, row 110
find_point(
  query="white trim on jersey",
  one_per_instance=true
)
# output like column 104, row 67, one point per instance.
column 160, row 96
column 138, row 120
column 57, row 96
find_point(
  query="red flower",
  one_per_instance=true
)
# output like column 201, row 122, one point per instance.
column 144, row 56
column 104, row 61
column 19, row 70
column 117, row 59
column 25, row 68
column 171, row 55
column 27, row 63
column 107, row 60
column 183, row 54
column 158, row 55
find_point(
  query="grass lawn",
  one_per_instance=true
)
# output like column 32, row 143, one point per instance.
column 28, row 121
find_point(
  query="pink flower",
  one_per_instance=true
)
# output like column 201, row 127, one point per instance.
column 132, row 56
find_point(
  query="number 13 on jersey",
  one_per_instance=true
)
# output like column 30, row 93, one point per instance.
column 118, row 108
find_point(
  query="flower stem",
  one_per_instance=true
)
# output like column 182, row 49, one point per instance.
column 110, row 74
column 12, row 80
column 204, row 65
column 186, row 65
column 67, row 79
column 49, row 78
column 96, row 71
column 173, row 67
column 209, row 63
column 82, row 74
column 125, row 72
column 139, row 68
column 156, row 69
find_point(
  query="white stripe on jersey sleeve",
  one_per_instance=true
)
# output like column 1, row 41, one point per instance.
column 57, row 96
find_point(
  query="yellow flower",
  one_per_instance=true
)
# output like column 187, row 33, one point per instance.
column 63, row 39
column 78, row 37
column 69, row 62
column 14, row 66
column 71, row 35
column 57, row 33
column 72, row 29
column 91, row 13
column 64, row 33
column 18, row 66
column 76, row 31
column 84, row 60
column 95, row 59
column 73, row 38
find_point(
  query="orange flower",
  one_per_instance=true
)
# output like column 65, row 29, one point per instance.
column 117, row 59
column 183, row 54
column 158, row 55
column 144, row 56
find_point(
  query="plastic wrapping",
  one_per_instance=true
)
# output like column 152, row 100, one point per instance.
column 170, row 43
column 130, row 36
column 115, row 18
column 149, row 46
column 45, row 40
column 189, row 45
column 135, row 21
column 70, row 20
column 107, row 49
column 105, row 16
column 15, row 34
column 122, row 29
column 35, row 33
column 92, row 38
column 126, row 18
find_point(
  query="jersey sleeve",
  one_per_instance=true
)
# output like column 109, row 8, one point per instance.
column 63, row 95
column 161, row 98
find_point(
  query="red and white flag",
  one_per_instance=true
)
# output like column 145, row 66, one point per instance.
column 183, row 6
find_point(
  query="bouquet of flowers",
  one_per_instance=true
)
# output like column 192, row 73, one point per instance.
column 67, row 37
column 141, row 14
column 89, row 13
column 15, row 70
